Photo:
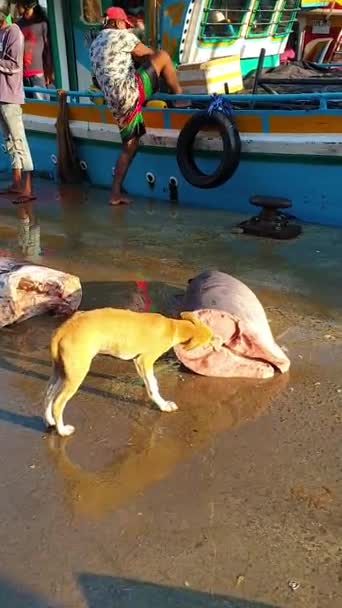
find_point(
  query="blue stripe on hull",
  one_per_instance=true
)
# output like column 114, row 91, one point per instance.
column 312, row 185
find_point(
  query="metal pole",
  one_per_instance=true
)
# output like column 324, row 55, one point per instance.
column 258, row 70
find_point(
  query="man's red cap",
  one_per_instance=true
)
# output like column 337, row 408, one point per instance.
column 115, row 12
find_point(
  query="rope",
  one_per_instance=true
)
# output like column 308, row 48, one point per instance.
column 69, row 170
column 219, row 104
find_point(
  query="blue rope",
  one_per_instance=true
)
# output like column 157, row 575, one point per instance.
column 219, row 104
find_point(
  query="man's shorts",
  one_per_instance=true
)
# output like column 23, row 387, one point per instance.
column 148, row 83
column 13, row 131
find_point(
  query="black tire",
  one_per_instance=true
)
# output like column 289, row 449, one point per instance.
column 231, row 149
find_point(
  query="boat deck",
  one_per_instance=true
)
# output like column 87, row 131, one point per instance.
column 233, row 500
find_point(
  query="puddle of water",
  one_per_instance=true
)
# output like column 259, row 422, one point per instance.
column 154, row 444
column 241, row 465
column 142, row 257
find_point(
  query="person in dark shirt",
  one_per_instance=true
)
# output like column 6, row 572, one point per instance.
column 37, row 54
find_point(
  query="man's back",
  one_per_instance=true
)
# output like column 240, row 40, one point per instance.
column 113, row 66
column 11, row 65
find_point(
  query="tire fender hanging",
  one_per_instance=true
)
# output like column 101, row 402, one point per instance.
column 223, row 123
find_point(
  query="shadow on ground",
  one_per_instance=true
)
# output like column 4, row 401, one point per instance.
column 15, row 596
column 101, row 591
column 157, row 444
column 34, row 423
column 108, row 591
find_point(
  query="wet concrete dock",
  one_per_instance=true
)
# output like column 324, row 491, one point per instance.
column 232, row 502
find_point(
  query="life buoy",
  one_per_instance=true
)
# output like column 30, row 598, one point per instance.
column 230, row 155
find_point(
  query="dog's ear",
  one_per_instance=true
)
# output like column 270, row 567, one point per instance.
column 202, row 333
column 189, row 316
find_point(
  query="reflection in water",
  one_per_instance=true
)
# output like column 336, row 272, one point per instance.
column 28, row 232
column 154, row 449
column 134, row 293
column 72, row 200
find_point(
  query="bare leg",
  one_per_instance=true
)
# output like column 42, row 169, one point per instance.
column 164, row 67
column 11, row 123
column 129, row 149
column 27, row 184
column 16, row 181
column 144, row 366
column 25, row 195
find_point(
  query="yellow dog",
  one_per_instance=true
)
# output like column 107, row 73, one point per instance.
column 143, row 337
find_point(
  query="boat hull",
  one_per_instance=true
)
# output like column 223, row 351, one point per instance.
column 302, row 166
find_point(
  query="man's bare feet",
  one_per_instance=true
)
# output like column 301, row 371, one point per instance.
column 119, row 199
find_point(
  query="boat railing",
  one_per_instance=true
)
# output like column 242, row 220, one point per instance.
column 287, row 101
column 73, row 96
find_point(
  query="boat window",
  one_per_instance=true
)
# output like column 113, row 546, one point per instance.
column 223, row 19
column 91, row 11
column 286, row 17
column 262, row 18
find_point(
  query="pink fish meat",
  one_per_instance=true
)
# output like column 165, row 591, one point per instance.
column 246, row 347
column 27, row 290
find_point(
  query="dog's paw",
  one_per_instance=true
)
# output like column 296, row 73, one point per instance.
column 66, row 431
column 169, row 406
